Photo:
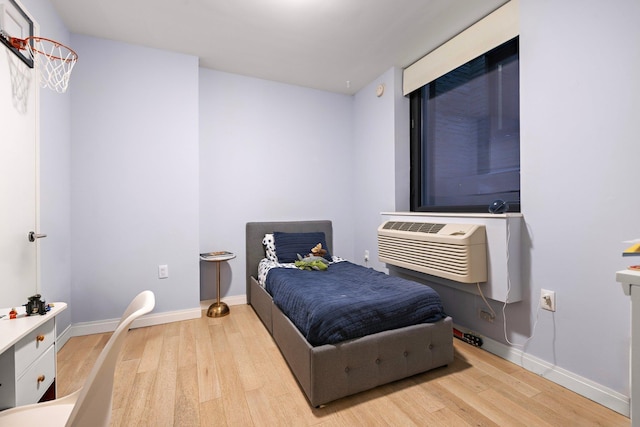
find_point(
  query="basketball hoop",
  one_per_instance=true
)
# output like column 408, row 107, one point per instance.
column 53, row 60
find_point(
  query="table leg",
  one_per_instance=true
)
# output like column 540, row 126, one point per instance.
column 218, row 308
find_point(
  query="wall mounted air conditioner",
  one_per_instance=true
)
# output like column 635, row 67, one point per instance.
column 453, row 251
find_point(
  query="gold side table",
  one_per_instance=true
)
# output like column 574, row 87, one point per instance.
column 218, row 308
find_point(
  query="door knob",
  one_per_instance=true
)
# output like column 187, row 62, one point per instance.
column 33, row 236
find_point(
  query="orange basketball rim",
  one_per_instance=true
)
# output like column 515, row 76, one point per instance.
column 53, row 60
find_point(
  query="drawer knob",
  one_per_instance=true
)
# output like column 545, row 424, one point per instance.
column 40, row 338
column 41, row 378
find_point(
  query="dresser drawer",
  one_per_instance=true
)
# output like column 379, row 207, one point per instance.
column 28, row 352
column 33, row 345
column 37, row 378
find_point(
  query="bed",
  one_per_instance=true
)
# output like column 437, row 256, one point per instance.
column 327, row 372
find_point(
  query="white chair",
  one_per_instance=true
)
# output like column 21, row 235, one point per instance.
column 91, row 405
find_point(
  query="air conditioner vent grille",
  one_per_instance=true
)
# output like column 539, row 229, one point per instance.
column 452, row 251
column 415, row 227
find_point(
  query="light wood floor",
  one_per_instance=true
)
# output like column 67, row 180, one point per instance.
column 228, row 371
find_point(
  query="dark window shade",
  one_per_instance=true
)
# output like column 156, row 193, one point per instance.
column 465, row 136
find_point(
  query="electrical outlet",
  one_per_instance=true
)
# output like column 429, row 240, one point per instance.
column 485, row 315
column 163, row 271
column 548, row 300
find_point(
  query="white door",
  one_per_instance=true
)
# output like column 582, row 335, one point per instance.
column 18, row 180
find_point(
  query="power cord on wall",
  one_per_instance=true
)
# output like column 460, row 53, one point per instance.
column 504, row 306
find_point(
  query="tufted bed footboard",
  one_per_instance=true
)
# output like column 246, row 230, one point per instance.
column 329, row 372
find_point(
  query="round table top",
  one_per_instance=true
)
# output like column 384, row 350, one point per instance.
column 217, row 256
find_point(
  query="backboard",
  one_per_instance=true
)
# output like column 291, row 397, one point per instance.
column 15, row 23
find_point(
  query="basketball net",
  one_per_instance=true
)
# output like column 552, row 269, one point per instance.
column 54, row 62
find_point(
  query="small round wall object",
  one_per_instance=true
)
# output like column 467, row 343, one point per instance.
column 380, row 90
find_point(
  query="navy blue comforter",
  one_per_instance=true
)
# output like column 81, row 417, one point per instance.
column 350, row 301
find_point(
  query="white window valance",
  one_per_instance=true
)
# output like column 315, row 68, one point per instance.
column 491, row 31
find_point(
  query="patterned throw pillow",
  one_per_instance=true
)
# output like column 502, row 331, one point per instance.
column 270, row 247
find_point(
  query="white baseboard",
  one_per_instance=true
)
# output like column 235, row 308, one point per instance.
column 583, row 386
column 234, row 300
column 102, row 326
column 63, row 337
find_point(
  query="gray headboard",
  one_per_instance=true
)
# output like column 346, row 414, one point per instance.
column 255, row 232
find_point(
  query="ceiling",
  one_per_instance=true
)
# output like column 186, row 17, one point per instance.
column 334, row 45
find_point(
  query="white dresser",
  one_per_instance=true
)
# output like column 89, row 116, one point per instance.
column 630, row 280
column 27, row 356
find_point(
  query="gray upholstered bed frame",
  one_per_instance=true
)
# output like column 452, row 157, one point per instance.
column 329, row 372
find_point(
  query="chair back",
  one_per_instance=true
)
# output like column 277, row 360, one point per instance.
column 93, row 407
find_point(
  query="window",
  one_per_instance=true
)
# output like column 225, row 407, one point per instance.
column 465, row 136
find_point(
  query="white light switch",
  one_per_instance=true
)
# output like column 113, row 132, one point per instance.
column 163, row 271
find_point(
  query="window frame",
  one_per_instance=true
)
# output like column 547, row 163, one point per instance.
column 416, row 167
